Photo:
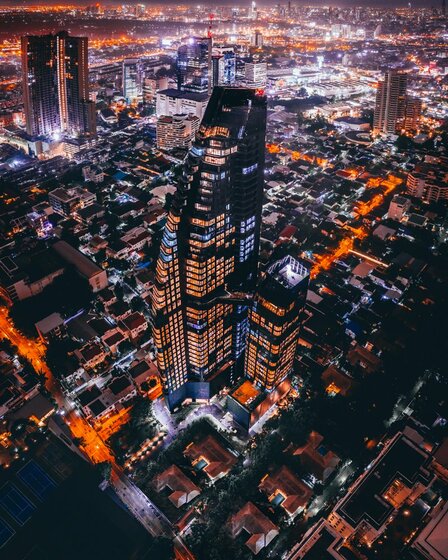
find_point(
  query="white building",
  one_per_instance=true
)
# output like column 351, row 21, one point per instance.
column 171, row 102
column 255, row 74
column 177, row 131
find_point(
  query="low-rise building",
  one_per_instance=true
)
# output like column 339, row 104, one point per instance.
column 398, row 475
column 209, row 456
column 135, row 324
column 250, row 520
column 95, row 275
column 284, row 489
column 182, row 489
column 316, row 457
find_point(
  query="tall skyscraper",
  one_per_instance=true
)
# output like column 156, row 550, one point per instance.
column 194, row 65
column 395, row 110
column 274, row 322
column 209, row 252
column 132, row 83
column 56, row 85
column 390, row 107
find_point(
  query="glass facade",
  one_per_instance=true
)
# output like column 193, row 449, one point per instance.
column 194, row 65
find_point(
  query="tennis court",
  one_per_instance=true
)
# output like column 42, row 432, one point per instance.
column 15, row 503
column 5, row 532
column 37, row 480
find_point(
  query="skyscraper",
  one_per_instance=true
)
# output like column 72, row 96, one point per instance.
column 56, row 85
column 132, row 83
column 274, row 322
column 208, row 259
column 194, row 63
column 390, row 107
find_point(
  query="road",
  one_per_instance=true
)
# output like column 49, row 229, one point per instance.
column 92, row 445
column 140, row 505
column 34, row 351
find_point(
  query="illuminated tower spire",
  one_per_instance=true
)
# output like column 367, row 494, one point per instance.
column 210, row 249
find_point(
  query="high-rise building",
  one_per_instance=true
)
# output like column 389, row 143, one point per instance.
column 132, row 83
column 257, row 40
column 174, row 102
column 413, row 113
column 194, row 60
column 223, row 66
column 177, row 131
column 274, row 322
column 395, row 111
column 217, row 74
column 151, row 86
column 255, row 74
column 253, row 12
column 56, row 86
column 208, row 259
column 390, row 107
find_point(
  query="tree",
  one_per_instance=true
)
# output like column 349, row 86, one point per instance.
column 137, row 304
column 162, row 548
column 104, row 469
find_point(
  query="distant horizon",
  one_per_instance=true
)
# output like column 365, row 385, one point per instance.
column 241, row 3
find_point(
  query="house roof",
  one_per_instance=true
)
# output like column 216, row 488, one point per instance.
column 316, row 457
column 296, row 494
column 134, row 321
column 174, row 479
column 219, row 460
column 254, row 522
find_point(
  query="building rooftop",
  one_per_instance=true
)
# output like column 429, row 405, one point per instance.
column 246, row 393
column 285, row 489
column 402, row 460
column 253, row 522
column 432, row 542
column 211, row 457
column 184, row 94
column 49, row 323
column 183, row 490
column 84, row 265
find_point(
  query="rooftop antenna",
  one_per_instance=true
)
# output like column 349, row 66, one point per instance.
column 210, row 26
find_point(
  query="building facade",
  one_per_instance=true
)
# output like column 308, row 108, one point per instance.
column 255, row 74
column 56, row 86
column 177, row 131
column 208, row 261
column 132, row 83
column 194, row 65
column 395, row 111
column 223, row 66
column 171, row 102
